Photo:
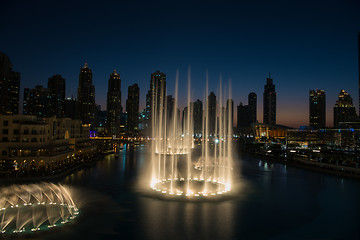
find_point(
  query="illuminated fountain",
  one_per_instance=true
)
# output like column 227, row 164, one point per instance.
column 177, row 168
column 34, row 207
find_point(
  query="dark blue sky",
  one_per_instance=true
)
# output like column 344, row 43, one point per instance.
column 304, row 44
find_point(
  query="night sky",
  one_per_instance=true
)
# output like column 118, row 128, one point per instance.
column 303, row 44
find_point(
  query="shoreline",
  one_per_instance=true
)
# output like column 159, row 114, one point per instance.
column 339, row 171
column 60, row 175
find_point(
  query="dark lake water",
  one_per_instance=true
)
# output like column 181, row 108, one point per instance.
column 275, row 202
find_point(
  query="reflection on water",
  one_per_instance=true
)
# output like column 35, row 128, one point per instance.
column 278, row 202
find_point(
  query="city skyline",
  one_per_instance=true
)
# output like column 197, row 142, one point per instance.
column 303, row 48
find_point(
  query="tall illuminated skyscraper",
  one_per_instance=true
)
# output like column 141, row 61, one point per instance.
column 9, row 87
column 86, row 96
column 344, row 111
column 317, row 109
column 113, row 118
column 269, row 102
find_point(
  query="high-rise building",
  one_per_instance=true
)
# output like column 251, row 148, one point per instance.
column 132, row 108
column 252, row 102
column 269, row 102
column 359, row 67
column 114, row 104
column 198, row 117
column 247, row 114
column 9, row 87
column 170, row 101
column 317, row 108
column 344, row 111
column 71, row 108
column 56, row 85
column 147, row 115
column 38, row 102
column 86, row 96
column 158, row 91
column 212, row 112
column 243, row 116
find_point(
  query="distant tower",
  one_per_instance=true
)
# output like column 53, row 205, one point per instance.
column 359, row 66
column 269, row 102
column 38, row 102
column 132, row 108
column 158, row 91
column 86, row 96
column 113, row 119
column 9, row 87
column 212, row 112
column 252, row 102
column 243, row 116
column 317, row 108
column 344, row 111
column 198, row 117
column 56, row 85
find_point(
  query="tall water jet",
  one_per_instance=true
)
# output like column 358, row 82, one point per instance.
column 177, row 167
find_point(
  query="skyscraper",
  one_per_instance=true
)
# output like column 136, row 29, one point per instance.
column 198, row 117
column 9, row 87
column 38, row 102
column 132, row 108
column 113, row 118
column 56, row 85
column 158, row 91
column 211, row 112
column 252, row 102
column 86, row 96
column 359, row 67
column 344, row 111
column 247, row 114
column 317, row 108
column 269, row 102
column 243, row 116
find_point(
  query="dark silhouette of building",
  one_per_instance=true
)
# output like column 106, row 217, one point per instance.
column 86, row 96
column 9, row 87
column 158, row 92
column 71, row 108
column 211, row 113
column 56, row 85
column 252, row 102
column 317, row 107
column 132, row 108
column 114, row 104
column 243, row 117
column 147, row 115
column 344, row 111
column 198, row 117
column 38, row 101
column 269, row 102
column 170, row 101
column 359, row 67
column 247, row 114
column 100, row 121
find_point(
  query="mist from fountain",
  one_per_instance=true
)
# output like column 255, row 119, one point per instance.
column 175, row 169
column 31, row 207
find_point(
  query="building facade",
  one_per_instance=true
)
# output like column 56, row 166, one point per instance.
column 269, row 102
column 317, row 109
column 86, row 96
column 56, row 85
column 132, row 108
column 344, row 110
column 113, row 105
column 9, row 87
